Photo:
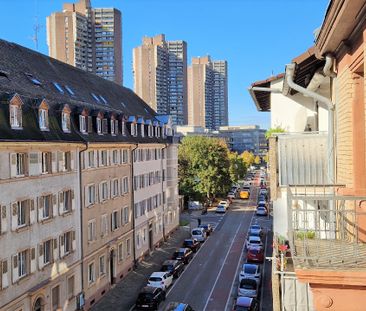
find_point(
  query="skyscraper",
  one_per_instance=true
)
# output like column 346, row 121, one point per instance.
column 160, row 76
column 207, row 93
column 87, row 38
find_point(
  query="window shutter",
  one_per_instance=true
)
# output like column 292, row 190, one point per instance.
column 61, row 202
column 55, row 250
column 13, row 164
column 33, row 264
column 60, row 160
column 90, row 124
column 15, row 275
column 32, row 212
column 4, row 223
column 54, row 162
column 86, row 196
column 34, row 161
column 54, row 205
column 72, row 160
column 40, row 208
column 72, row 200
column 83, row 157
column 40, row 256
column 4, row 274
column 14, row 218
column 19, row 116
column 100, row 190
column 95, row 158
column 73, row 237
column 62, row 250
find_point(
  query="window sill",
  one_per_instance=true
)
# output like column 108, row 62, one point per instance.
column 66, row 213
column 46, row 220
column 22, row 228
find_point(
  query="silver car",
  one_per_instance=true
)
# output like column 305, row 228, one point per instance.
column 248, row 288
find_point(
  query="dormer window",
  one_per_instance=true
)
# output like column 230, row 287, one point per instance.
column 84, row 125
column 105, row 126
column 15, row 112
column 82, row 121
column 43, row 116
column 150, row 130
column 133, row 129
column 114, row 126
column 99, row 126
column 123, row 127
column 65, row 119
column 142, row 130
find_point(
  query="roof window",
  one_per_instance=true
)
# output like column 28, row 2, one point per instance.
column 123, row 104
column 103, row 100
column 58, row 87
column 4, row 74
column 34, row 80
column 95, row 97
column 69, row 90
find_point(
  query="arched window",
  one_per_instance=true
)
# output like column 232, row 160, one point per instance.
column 38, row 305
column 65, row 119
column 43, row 116
column 15, row 112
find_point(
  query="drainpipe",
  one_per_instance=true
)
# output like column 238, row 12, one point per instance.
column 133, row 207
column 290, row 70
column 162, row 189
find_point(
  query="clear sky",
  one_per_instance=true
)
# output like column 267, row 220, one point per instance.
column 256, row 37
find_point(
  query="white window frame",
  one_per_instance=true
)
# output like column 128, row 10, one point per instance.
column 128, row 248
column 91, row 273
column 120, row 251
column 102, row 272
column 45, row 198
column 91, row 199
column 103, row 158
column 23, row 207
column 115, row 187
column 43, row 119
column 92, row 230
column 46, row 163
column 104, row 191
column 66, row 124
column 104, row 225
column 125, row 185
column 21, row 162
column 82, row 121
column 91, row 159
column 126, row 215
column 99, row 126
column 114, row 223
column 15, row 115
column 115, row 156
column 23, row 265
column 50, row 252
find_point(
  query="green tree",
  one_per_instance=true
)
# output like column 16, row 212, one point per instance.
column 274, row 130
column 257, row 160
column 265, row 158
column 237, row 167
column 203, row 167
column 248, row 158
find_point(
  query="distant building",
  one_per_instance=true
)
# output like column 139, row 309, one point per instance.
column 87, row 38
column 246, row 137
column 160, row 76
column 207, row 93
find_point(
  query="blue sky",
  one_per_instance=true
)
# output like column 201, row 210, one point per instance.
column 256, row 37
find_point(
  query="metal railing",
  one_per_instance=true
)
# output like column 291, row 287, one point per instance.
column 326, row 230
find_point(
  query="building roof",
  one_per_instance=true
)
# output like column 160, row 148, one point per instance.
column 36, row 77
column 262, row 99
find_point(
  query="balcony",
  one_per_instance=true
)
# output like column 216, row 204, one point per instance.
column 326, row 230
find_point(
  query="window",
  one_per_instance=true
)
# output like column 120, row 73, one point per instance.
column 138, row 240
column 114, row 225
column 23, row 213
column 124, row 156
column 46, row 162
column 103, row 158
column 69, row 90
column 64, row 161
column 91, row 273
column 120, row 252
column 67, row 242
column 142, row 130
column 114, row 127
column 115, row 188
column 67, row 200
column 20, row 162
column 133, row 129
column 15, row 116
column 123, row 127
column 58, row 87
column 91, row 230
column 55, row 298
column 126, row 215
column 82, row 120
column 101, row 265
column 23, row 263
column 128, row 247
column 105, row 126
column 91, row 159
column 115, row 157
column 125, row 185
column 104, row 191
column 90, row 195
column 99, row 126
column 144, row 236
column 95, row 97
column 47, row 252
column 104, row 225
column 43, row 119
column 45, row 206
column 70, row 287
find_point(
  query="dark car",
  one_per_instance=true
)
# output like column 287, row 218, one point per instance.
column 192, row 244
column 183, row 254
column 175, row 267
column 207, row 227
column 246, row 304
column 178, row 306
column 149, row 298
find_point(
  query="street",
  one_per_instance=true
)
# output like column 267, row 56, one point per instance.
column 210, row 280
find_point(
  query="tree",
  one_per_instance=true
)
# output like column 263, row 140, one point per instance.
column 237, row 167
column 265, row 158
column 274, row 130
column 257, row 160
column 203, row 167
column 248, row 158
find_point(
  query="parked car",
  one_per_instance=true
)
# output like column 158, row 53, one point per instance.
column 220, row 209
column 149, row 298
column 246, row 304
column 255, row 254
column 178, row 306
column 207, row 227
column 244, row 194
column 250, row 271
column 175, row 267
column 261, row 211
column 162, row 279
column 253, row 241
column 263, row 191
column 255, row 233
column 183, row 254
column 256, row 227
column 192, row 244
column 262, row 198
column 248, row 288
column 231, row 195
column 225, row 203
column 199, row 234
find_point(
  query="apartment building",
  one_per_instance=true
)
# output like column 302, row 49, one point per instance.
column 87, row 38
column 160, row 76
column 67, row 217
column 207, row 93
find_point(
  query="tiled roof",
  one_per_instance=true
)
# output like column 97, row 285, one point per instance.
column 34, row 77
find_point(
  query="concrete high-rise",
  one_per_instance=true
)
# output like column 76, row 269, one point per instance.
column 207, row 93
column 87, row 38
column 160, row 76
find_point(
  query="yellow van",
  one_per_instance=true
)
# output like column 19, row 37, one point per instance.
column 244, row 194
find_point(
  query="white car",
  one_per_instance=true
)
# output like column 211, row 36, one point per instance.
column 160, row 279
column 225, row 203
column 199, row 234
column 220, row 209
column 248, row 287
column 253, row 241
column 250, row 271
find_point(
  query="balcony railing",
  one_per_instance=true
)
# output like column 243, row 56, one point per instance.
column 326, row 230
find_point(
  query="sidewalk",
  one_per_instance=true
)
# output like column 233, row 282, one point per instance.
column 123, row 296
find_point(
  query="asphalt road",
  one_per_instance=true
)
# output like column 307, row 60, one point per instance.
column 210, row 281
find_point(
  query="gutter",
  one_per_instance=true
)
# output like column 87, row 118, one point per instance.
column 253, row 89
column 290, row 71
column 133, row 206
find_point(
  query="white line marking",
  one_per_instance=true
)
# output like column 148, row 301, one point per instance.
column 222, row 266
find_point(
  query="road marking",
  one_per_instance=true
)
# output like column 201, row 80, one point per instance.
column 237, row 268
column 222, row 266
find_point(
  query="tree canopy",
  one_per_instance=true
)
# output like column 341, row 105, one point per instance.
column 274, row 130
